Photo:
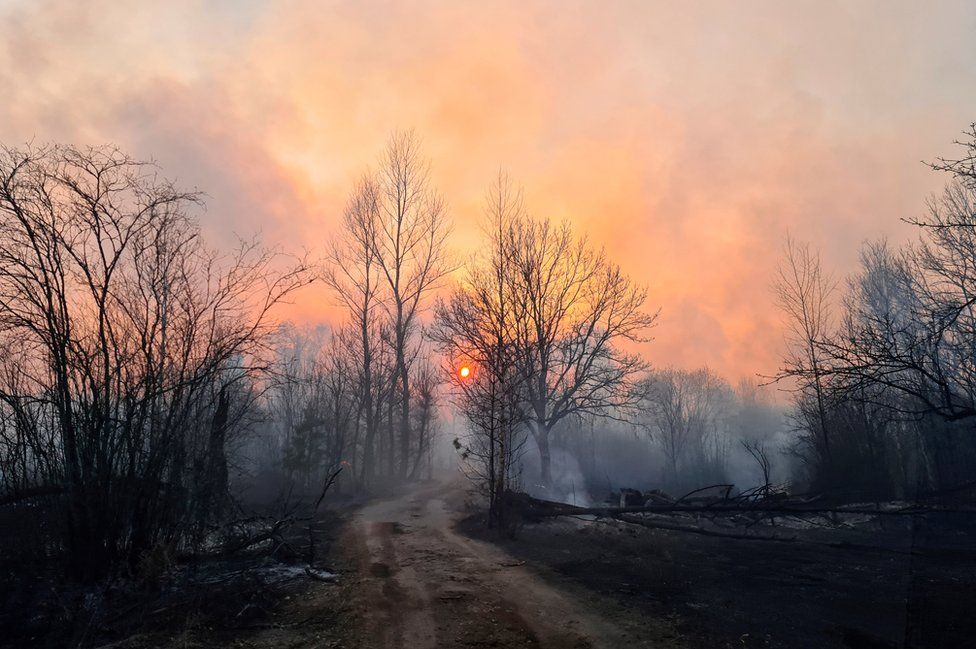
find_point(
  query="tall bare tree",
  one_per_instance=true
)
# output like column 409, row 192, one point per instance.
column 383, row 267
column 477, row 331
column 409, row 247
column 804, row 293
column 353, row 272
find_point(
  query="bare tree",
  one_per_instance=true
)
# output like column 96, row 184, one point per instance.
column 353, row 273
column 921, row 340
column 573, row 310
column 427, row 381
column 686, row 412
column 383, row 267
column 804, row 293
column 911, row 325
column 136, row 346
column 477, row 332
column 758, row 452
column 339, row 395
column 408, row 242
column 963, row 168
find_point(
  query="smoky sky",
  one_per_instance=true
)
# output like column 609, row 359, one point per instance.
column 686, row 138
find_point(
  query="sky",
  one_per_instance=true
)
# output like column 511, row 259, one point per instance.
column 687, row 139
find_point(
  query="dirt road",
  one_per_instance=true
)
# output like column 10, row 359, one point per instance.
column 423, row 586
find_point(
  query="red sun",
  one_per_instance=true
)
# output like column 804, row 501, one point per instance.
column 464, row 371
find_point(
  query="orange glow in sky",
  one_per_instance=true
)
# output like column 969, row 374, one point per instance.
column 685, row 138
column 464, row 372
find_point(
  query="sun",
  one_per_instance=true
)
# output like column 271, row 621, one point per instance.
column 464, row 372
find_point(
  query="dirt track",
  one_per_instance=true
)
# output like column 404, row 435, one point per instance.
column 424, row 585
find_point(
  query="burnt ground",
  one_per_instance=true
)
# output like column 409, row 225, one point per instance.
column 250, row 601
column 825, row 589
column 417, row 570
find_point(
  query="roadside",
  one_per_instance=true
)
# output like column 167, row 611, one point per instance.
column 914, row 591
column 253, row 600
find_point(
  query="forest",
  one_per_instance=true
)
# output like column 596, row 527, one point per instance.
column 535, row 324
column 157, row 413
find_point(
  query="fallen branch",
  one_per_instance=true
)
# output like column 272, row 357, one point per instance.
column 317, row 577
column 325, row 488
column 545, row 508
column 311, row 533
column 726, row 487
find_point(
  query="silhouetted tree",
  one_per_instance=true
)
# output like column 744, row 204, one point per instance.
column 572, row 310
column 804, row 293
column 408, row 243
column 131, row 346
column 476, row 329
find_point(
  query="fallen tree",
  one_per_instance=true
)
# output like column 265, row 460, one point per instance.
column 536, row 508
column 733, row 517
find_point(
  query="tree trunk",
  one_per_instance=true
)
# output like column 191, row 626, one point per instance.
column 404, row 416
column 391, row 427
column 541, row 436
column 216, row 489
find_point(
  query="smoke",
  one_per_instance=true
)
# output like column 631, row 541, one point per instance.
column 744, row 471
column 569, row 485
column 590, row 460
column 275, row 112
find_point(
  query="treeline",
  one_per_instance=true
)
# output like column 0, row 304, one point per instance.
column 705, row 431
column 313, row 418
column 140, row 370
column 885, row 365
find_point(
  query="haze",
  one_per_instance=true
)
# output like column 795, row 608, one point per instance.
column 687, row 142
